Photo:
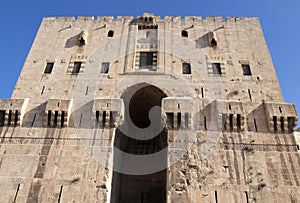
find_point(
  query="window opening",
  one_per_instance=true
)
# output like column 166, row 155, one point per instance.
column 216, row 67
column 238, row 122
column 110, row 33
column 49, row 119
column 49, row 68
column 246, row 70
column 146, row 60
column 105, row 68
column 282, row 124
column 17, row 191
column 43, row 90
column 87, row 90
column 76, row 68
column 178, row 120
column 205, row 127
column 202, row 92
column 9, row 118
column 184, row 33
column 60, row 193
column 97, row 116
column 2, row 117
column 255, row 124
column 186, row 68
column 55, row 119
column 249, row 93
column 33, row 120
column 231, row 122
column 247, row 197
column 62, row 121
column 103, row 119
column 16, row 117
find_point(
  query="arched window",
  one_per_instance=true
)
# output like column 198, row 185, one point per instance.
column 110, row 33
column 184, row 33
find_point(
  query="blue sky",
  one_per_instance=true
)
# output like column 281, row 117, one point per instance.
column 280, row 22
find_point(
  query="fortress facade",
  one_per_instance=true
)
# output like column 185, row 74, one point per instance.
column 148, row 109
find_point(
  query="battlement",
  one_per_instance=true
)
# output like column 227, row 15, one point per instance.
column 196, row 19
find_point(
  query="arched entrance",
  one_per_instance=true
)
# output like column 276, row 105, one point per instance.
column 138, row 102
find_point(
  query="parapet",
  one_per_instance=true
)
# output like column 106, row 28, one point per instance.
column 57, row 113
column 12, row 111
column 281, row 117
column 157, row 18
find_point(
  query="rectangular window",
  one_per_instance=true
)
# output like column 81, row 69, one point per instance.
column 2, row 117
column 55, row 119
column 282, row 124
column 238, row 122
column 48, row 68
column 49, row 119
column 104, row 68
column 146, row 60
column 216, row 67
column 16, row 117
column 76, row 68
column 246, row 69
column 186, row 68
column 178, row 120
column 62, row 120
column 9, row 117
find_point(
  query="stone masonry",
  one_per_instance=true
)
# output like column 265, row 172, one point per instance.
column 77, row 122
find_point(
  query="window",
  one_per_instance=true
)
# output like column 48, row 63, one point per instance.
column 216, row 68
column 76, row 68
column 104, row 68
column 110, row 33
column 186, row 68
column 246, row 69
column 146, row 60
column 2, row 117
column 48, row 68
column 184, row 33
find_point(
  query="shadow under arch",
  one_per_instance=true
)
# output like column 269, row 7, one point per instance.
column 139, row 102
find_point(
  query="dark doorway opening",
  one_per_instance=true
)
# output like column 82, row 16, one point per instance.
column 146, row 188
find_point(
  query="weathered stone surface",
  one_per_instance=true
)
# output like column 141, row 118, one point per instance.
column 230, row 136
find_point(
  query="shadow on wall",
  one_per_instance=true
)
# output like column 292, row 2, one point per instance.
column 72, row 42
column 203, row 41
column 34, row 117
column 257, row 120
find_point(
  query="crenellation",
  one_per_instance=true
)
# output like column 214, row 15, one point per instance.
column 91, row 88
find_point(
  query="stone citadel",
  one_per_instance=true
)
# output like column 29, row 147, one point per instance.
column 148, row 109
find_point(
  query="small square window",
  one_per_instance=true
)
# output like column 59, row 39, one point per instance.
column 186, row 68
column 48, row 68
column 216, row 67
column 105, row 68
column 246, row 69
column 76, row 68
